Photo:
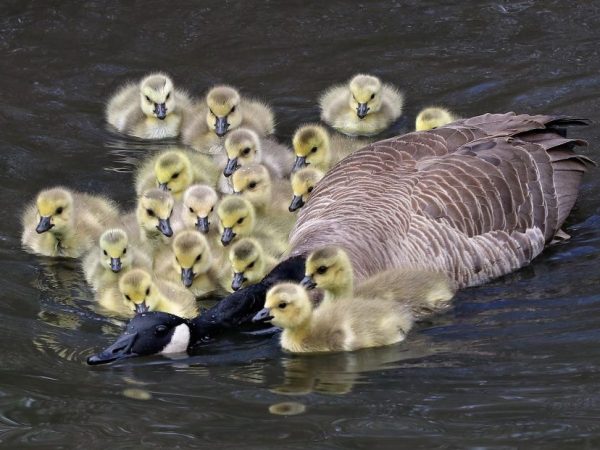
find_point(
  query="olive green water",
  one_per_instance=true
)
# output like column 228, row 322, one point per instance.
column 515, row 363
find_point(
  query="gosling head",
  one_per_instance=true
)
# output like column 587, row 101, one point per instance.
column 287, row 306
column 154, row 212
column 328, row 268
column 173, row 171
column 138, row 290
column 113, row 245
column 198, row 204
column 247, row 261
column 303, row 182
column 223, row 109
column 365, row 94
column 156, row 96
column 236, row 218
column 243, row 148
column 433, row 117
column 311, row 146
column 55, row 211
column 253, row 183
column 192, row 255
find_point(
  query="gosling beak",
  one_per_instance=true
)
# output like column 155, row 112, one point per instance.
column 227, row 236
column 163, row 186
column 44, row 225
column 308, row 283
column 164, row 226
column 202, row 225
column 119, row 350
column 115, row 264
column 141, row 308
column 160, row 110
column 230, row 167
column 221, row 126
column 299, row 163
column 361, row 110
column 238, row 280
column 264, row 315
column 297, row 203
column 187, row 277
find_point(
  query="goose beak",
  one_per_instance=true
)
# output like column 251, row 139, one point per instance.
column 160, row 110
column 227, row 236
column 299, row 163
column 308, row 283
column 115, row 264
column 202, row 224
column 238, row 280
column 297, row 203
column 164, row 226
column 187, row 277
column 163, row 186
column 264, row 315
column 230, row 167
column 361, row 110
column 221, row 126
column 44, row 225
column 119, row 350
column 141, row 308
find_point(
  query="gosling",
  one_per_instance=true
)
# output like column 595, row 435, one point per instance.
column 433, row 117
column 303, row 183
column 249, row 262
column 268, row 196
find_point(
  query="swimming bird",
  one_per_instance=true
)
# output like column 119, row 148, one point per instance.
column 303, row 182
column 249, row 262
column 198, row 211
column 363, row 107
column 350, row 324
column 150, row 109
column 433, row 117
column 268, row 196
column 62, row 222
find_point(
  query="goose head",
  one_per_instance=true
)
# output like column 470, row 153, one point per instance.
column 311, row 146
column 247, row 260
column 287, row 305
column 365, row 94
column 303, row 182
column 173, row 171
column 253, row 183
column 242, row 147
column 55, row 210
column 199, row 203
column 191, row 255
column 154, row 212
column 149, row 333
column 113, row 245
column 329, row 269
column 236, row 218
column 157, row 96
column 223, row 109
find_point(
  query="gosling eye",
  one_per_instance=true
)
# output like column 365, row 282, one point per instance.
column 191, row 209
column 252, row 184
column 251, row 265
column 150, row 212
column 168, row 96
column 148, row 291
column 313, row 150
column 198, row 258
column 175, row 175
column 246, row 151
column 240, row 220
column 321, row 270
column 232, row 110
column 148, row 99
column 310, row 189
column 282, row 305
column 160, row 329
column 59, row 210
column 125, row 250
column 211, row 111
column 212, row 209
column 104, row 251
column 372, row 96
column 127, row 297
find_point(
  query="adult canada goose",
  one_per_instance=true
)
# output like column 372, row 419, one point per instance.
column 222, row 111
column 363, row 107
column 475, row 200
column 61, row 222
column 150, row 109
column 433, row 117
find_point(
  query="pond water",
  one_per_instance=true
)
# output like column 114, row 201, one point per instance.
column 515, row 363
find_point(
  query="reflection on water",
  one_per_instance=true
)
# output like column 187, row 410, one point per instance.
column 514, row 363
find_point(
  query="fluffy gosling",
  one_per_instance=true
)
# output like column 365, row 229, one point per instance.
column 433, row 117
column 303, row 182
column 249, row 262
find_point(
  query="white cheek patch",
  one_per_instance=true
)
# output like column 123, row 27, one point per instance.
column 179, row 340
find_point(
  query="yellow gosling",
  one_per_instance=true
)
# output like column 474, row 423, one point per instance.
column 254, row 183
column 303, row 182
column 249, row 262
column 433, row 117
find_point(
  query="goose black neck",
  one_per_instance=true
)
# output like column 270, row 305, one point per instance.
column 237, row 309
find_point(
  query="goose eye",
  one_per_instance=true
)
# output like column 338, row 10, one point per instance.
column 310, row 189
column 246, row 151
column 160, row 329
column 313, row 150
column 240, row 220
column 104, row 251
column 125, row 250
column 372, row 96
column 198, row 258
column 212, row 209
column 168, row 96
column 211, row 111
column 282, row 305
column 148, row 291
column 150, row 212
column 175, row 175
column 127, row 297
column 252, row 185
column 148, row 99
column 59, row 210
column 321, row 270
column 251, row 265
column 232, row 110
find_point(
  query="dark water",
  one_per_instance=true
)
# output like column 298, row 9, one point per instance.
column 516, row 363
